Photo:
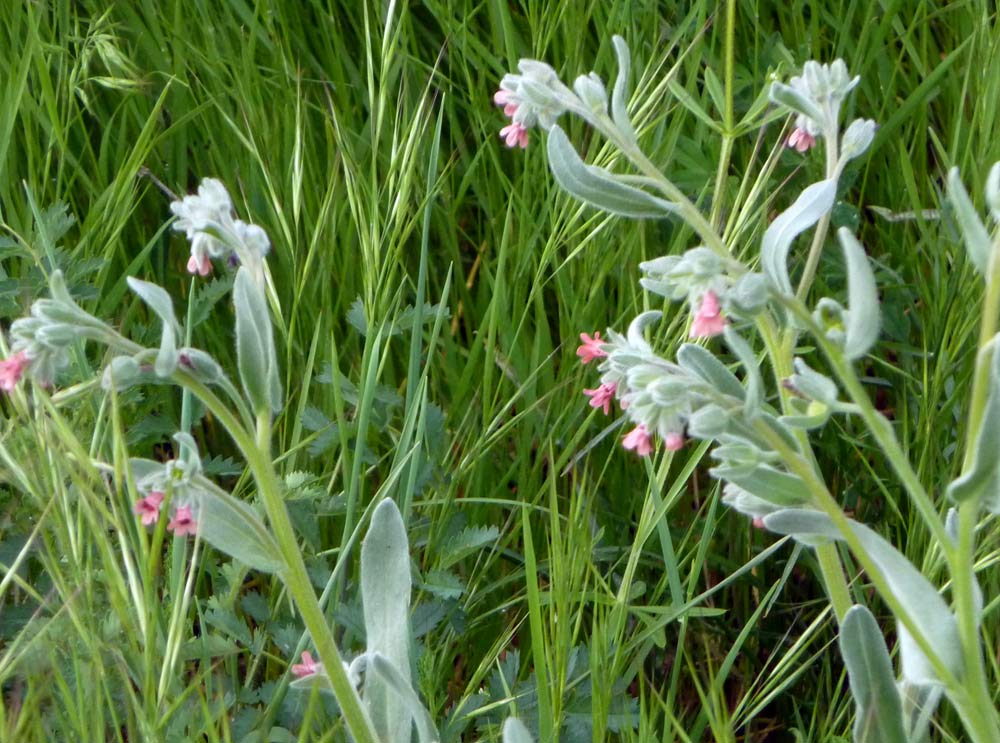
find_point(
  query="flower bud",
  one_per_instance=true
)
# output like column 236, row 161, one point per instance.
column 592, row 93
column 858, row 138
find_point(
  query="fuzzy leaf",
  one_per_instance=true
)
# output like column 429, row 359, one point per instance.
column 233, row 527
column 984, row 475
column 917, row 597
column 399, row 683
column 620, row 93
column 385, row 597
column 514, row 731
column 702, row 362
column 755, row 383
column 786, row 95
column 159, row 302
column 879, row 714
column 863, row 311
column 814, row 202
column 255, row 354
column 598, row 187
column 974, row 234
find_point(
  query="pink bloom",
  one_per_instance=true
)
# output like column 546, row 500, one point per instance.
column 183, row 523
column 307, row 667
column 12, row 369
column 602, row 396
column 201, row 267
column 638, row 439
column 758, row 522
column 709, row 320
column 801, row 140
column 148, row 508
column 590, row 349
column 674, row 441
column 515, row 135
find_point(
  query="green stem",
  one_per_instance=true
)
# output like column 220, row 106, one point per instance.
column 295, row 576
column 819, row 237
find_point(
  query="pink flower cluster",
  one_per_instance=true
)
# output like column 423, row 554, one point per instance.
column 515, row 134
column 308, row 667
column 801, row 140
column 148, row 510
column 12, row 369
column 638, row 439
column 709, row 320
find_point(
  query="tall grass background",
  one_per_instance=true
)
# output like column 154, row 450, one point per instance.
column 429, row 286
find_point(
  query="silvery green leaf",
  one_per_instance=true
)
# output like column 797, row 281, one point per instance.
column 746, row 503
column 255, row 354
column 786, row 95
column 200, row 365
column 159, row 302
column 918, row 598
column 514, row 731
column 234, row 527
column 144, row 470
column 121, row 373
column 400, row 685
column 919, row 705
column 755, row 383
column 808, row 415
column 385, row 599
column 708, row 422
column 781, row 489
column 618, row 103
column 811, row 205
column 701, row 362
column 983, row 478
column 591, row 91
column 974, row 234
column 857, row 139
column 878, row 711
column 596, row 186
column 749, row 294
column 812, row 385
column 863, row 310
column 993, row 191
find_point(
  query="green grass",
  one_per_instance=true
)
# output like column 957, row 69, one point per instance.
column 580, row 584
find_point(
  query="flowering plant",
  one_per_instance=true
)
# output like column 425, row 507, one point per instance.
column 760, row 431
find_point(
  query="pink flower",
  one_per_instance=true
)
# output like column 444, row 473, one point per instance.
column 183, row 523
column 148, row 508
column 12, row 369
column 674, row 441
column 307, row 667
column 515, row 135
column 709, row 320
column 202, row 266
column 638, row 439
column 801, row 140
column 758, row 522
column 590, row 349
column 602, row 396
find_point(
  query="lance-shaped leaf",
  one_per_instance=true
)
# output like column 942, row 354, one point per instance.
column 385, row 598
column 255, row 354
column 400, row 684
column 983, row 478
column 862, row 296
column 786, row 95
column 159, row 302
column 703, row 363
column 755, row 384
column 878, row 712
column 918, row 599
column 813, row 203
column 974, row 234
column 620, row 93
column 514, row 731
column 234, row 527
column 596, row 186
column 781, row 489
column 993, row 191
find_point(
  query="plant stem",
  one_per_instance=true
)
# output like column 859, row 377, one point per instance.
column 295, row 576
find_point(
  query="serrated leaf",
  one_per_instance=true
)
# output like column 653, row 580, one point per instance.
column 443, row 584
column 974, row 235
column 207, row 296
column 814, row 202
column 863, row 314
column 598, row 187
column 225, row 620
column 467, row 541
column 385, row 598
column 356, row 317
column 879, row 714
